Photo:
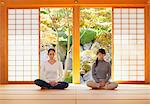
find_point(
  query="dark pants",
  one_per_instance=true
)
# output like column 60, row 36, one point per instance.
column 60, row 85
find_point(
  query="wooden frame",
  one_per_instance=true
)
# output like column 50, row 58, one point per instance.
column 5, row 4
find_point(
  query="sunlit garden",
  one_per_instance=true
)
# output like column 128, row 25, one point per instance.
column 56, row 32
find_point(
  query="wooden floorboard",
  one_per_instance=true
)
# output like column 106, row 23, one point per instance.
column 75, row 94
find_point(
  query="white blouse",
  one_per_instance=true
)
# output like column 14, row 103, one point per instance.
column 51, row 72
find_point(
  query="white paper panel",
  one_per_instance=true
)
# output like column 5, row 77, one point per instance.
column 129, row 44
column 23, row 44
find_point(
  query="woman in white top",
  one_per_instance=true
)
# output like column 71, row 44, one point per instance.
column 51, row 73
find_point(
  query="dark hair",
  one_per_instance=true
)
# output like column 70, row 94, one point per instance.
column 101, row 50
column 51, row 49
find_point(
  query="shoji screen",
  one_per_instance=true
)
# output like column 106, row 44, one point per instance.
column 23, row 44
column 128, row 44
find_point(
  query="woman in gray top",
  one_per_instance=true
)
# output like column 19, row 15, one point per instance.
column 101, row 72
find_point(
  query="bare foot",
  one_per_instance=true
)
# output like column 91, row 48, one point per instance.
column 44, row 88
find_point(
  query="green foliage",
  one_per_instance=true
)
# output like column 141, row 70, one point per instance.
column 105, row 40
column 87, row 35
column 62, row 34
column 85, row 66
column 100, row 20
column 43, row 12
column 54, row 21
column 68, row 78
column 57, row 18
column 95, row 18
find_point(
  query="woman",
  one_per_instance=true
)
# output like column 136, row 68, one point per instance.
column 51, row 74
column 101, row 72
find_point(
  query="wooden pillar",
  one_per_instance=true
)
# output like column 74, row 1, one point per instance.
column 76, row 45
column 3, row 43
column 0, row 41
column 147, row 43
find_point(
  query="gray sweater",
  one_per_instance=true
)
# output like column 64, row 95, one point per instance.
column 102, row 72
